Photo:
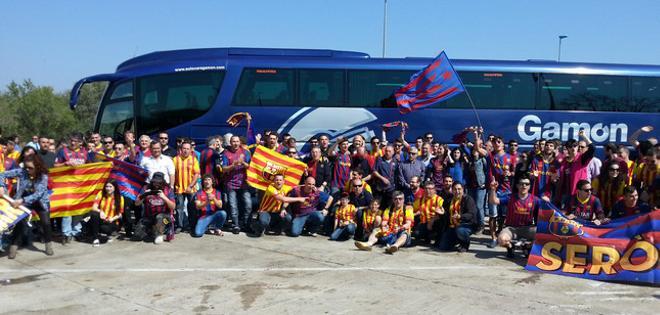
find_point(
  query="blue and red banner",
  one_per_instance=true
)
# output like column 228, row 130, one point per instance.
column 129, row 177
column 624, row 250
column 435, row 83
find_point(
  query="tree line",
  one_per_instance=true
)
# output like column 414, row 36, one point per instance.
column 27, row 109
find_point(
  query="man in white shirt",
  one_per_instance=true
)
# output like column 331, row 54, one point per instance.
column 158, row 162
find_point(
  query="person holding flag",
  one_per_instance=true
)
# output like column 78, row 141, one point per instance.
column 32, row 192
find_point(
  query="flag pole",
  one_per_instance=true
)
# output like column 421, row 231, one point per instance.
column 474, row 108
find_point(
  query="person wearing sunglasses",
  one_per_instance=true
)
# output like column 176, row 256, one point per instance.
column 395, row 228
column 585, row 205
column 521, row 212
column 609, row 186
column 31, row 192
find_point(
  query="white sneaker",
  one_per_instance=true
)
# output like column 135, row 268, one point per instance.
column 158, row 240
column 96, row 243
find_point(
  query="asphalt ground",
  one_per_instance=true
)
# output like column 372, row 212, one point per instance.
column 236, row 274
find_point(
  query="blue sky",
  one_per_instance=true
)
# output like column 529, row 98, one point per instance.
column 58, row 42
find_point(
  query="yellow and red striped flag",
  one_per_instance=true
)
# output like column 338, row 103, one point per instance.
column 9, row 215
column 75, row 187
column 266, row 163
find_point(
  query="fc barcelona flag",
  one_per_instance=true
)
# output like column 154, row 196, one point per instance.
column 623, row 250
column 266, row 163
column 75, row 187
column 435, row 83
column 129, row 177
column 9, row 215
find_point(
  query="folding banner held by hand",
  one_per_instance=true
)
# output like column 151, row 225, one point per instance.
column 129, row 177
column 9, row 215
column 624, row 250
column 435, row 83
column 266, row 163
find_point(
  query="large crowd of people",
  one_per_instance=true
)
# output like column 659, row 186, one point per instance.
column 370, row 190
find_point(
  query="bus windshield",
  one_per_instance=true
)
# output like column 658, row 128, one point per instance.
column 159, row 102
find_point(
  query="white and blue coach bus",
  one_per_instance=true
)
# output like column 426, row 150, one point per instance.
column 306, row 92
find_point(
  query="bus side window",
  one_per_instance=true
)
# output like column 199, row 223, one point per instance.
column 645, row 95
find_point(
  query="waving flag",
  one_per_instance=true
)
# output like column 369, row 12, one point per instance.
column 266, row 163
column 622, row 250
column 75, row 187
column 435, row 83
column 130, row 178
column 9, row 215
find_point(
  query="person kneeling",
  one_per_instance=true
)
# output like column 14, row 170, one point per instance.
column 158, row 201
column 209, row 203
column 463, row 220
column 344, row 220
column 395, row 228
column 271, row 214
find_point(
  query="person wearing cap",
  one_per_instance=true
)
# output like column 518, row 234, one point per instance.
column 158, row 200
column 344, row 219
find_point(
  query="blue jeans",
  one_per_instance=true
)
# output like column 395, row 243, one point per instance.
column 312, row 221
column 272, row 220
column 239, row 216
column 217, row 219
column 71, row 226
column 479, row 196
column 182, row 201
column 343, row 233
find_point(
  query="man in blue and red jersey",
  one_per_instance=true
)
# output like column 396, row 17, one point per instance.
column 544, row 171
column 158, row 201
column 584, row 205
column 208, row 202
column 341, row 165
column 208, row 157
column 500, row 171
column 305, row 202
column 72, row 155
column 629, row 205
column 235, row 162
column 522, row 212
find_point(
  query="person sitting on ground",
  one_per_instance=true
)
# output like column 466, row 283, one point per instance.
column 584, row 205
column 463, row 220
column 522, row 210
column 629, row 205
column 395, row 227
column 158, row 200
column 271, row 214
column 106, row 213
column 371, row 220
column 208, row 202
column 344, row 220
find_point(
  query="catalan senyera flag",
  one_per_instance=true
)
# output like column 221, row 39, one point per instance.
column 9, row 215
column 623, row 250
column 267, row 163
column 75, row 187
column 435, row 83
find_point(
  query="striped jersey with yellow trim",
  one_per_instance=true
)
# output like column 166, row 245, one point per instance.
column 269, row 203
column 107, row 204
column 426, row 207
column 185, row 170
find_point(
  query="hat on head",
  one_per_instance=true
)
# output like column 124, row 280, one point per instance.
column 158, row 176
